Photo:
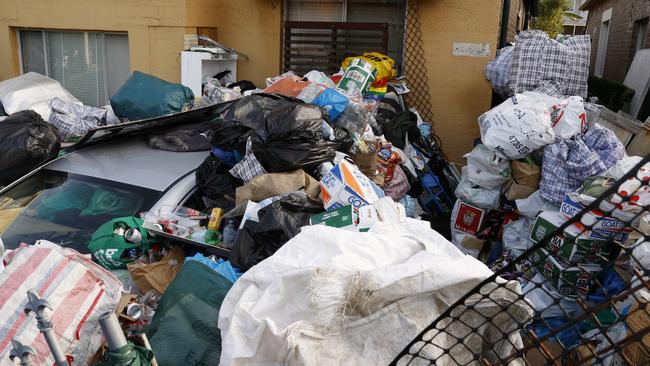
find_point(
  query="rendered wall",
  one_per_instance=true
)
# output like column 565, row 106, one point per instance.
column 155, row 28
column 459, row 91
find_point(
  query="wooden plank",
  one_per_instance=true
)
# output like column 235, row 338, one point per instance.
column 336, row 25
column 640, row 144
column 329, row 34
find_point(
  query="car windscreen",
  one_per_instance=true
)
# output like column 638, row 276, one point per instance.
column 66, row 208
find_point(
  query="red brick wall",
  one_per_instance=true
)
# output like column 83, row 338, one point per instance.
column 622, row 38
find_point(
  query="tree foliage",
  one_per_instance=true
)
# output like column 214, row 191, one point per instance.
column 551, row 16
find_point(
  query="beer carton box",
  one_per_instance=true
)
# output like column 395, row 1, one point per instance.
column 572, row 245
column 348, row 218
column 602, row 227
column 467, row 218
column 346, row 185
column 567, row 280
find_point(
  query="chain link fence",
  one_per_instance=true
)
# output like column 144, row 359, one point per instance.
column 578, row 296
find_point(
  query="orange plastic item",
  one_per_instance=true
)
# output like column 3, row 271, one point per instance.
column 287, row 86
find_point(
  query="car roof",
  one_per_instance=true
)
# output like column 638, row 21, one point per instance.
column 130, row 160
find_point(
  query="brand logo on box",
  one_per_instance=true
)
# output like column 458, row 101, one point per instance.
column 568, row 209
column 548, row 269
column 556, row 243
column 583, row 283
column 541, row 232
column 468, row 217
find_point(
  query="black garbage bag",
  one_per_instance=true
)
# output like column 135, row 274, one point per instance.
column 292, row 138
column 243, row 118
column 402, row 125
column 278, row 222
column 26, row 141
column 213, row 178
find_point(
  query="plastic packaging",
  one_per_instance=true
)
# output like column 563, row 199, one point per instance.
column 476, row 195
column 516, row 236
column 32, row 91
column 319, row 77
column 310, row 92
column 486, row 168
column 145, row 96
column 333, row 102
column 517, row 127
column 26, row 141
column 229, row 232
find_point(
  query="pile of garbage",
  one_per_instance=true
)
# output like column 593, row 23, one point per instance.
column 316, row 192
column 542, row 159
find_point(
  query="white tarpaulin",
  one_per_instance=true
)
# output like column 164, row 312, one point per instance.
column 336, row 296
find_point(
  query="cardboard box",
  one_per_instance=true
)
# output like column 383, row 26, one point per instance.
column 346, row 185
column 572, row 245
column 562, row 277
column 638, row 321
column 348, row 218
column 467, row 218
column 602, row 227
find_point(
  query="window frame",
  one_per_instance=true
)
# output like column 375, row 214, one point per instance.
column 46, row 51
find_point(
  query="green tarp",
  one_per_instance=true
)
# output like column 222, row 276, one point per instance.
column 184, row 329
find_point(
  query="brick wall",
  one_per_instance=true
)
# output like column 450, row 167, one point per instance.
column 516, row 9
column 622, row 39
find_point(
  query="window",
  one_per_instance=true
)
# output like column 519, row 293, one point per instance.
column 66, row 208
column 640, row 33
column 392, row 12
column 90, row 65
column 602, row 43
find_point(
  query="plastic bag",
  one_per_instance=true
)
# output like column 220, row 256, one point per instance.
column 32, row 91
column 333, row 102
column 292, row 138
column 516, row 236
column 319, row 77
column 278, row 222
column 486, row 168
column 534, row 204
column 517, row 127
column 288, row 86
column 474, row 194
column 213, row 178
column 26, row 142
column 145, row 96
column 567, row 163
column 111, row 249
column 384, row 65
column 354, row 118
column 243, row 118
column 568, row 116
column 310, row 92
column 623, row 166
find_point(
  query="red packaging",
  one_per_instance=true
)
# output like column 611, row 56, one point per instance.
column 467, row 218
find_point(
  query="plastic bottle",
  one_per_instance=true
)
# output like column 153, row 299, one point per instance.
column 229, row 232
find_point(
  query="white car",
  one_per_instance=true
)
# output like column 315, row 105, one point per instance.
column 67, row 199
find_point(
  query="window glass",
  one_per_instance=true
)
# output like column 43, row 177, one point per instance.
column 79, row 61
column 66, row 208
column 33, row 55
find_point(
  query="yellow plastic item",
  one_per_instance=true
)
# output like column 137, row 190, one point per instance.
column 385, row 67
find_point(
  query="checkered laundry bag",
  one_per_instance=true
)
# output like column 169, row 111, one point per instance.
column 78, row 290
column 74, row 120
column 567, row 163
column 538, row 60
column 497, row 71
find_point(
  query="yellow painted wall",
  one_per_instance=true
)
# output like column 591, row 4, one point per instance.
column 459, row 90
column 155, row 28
